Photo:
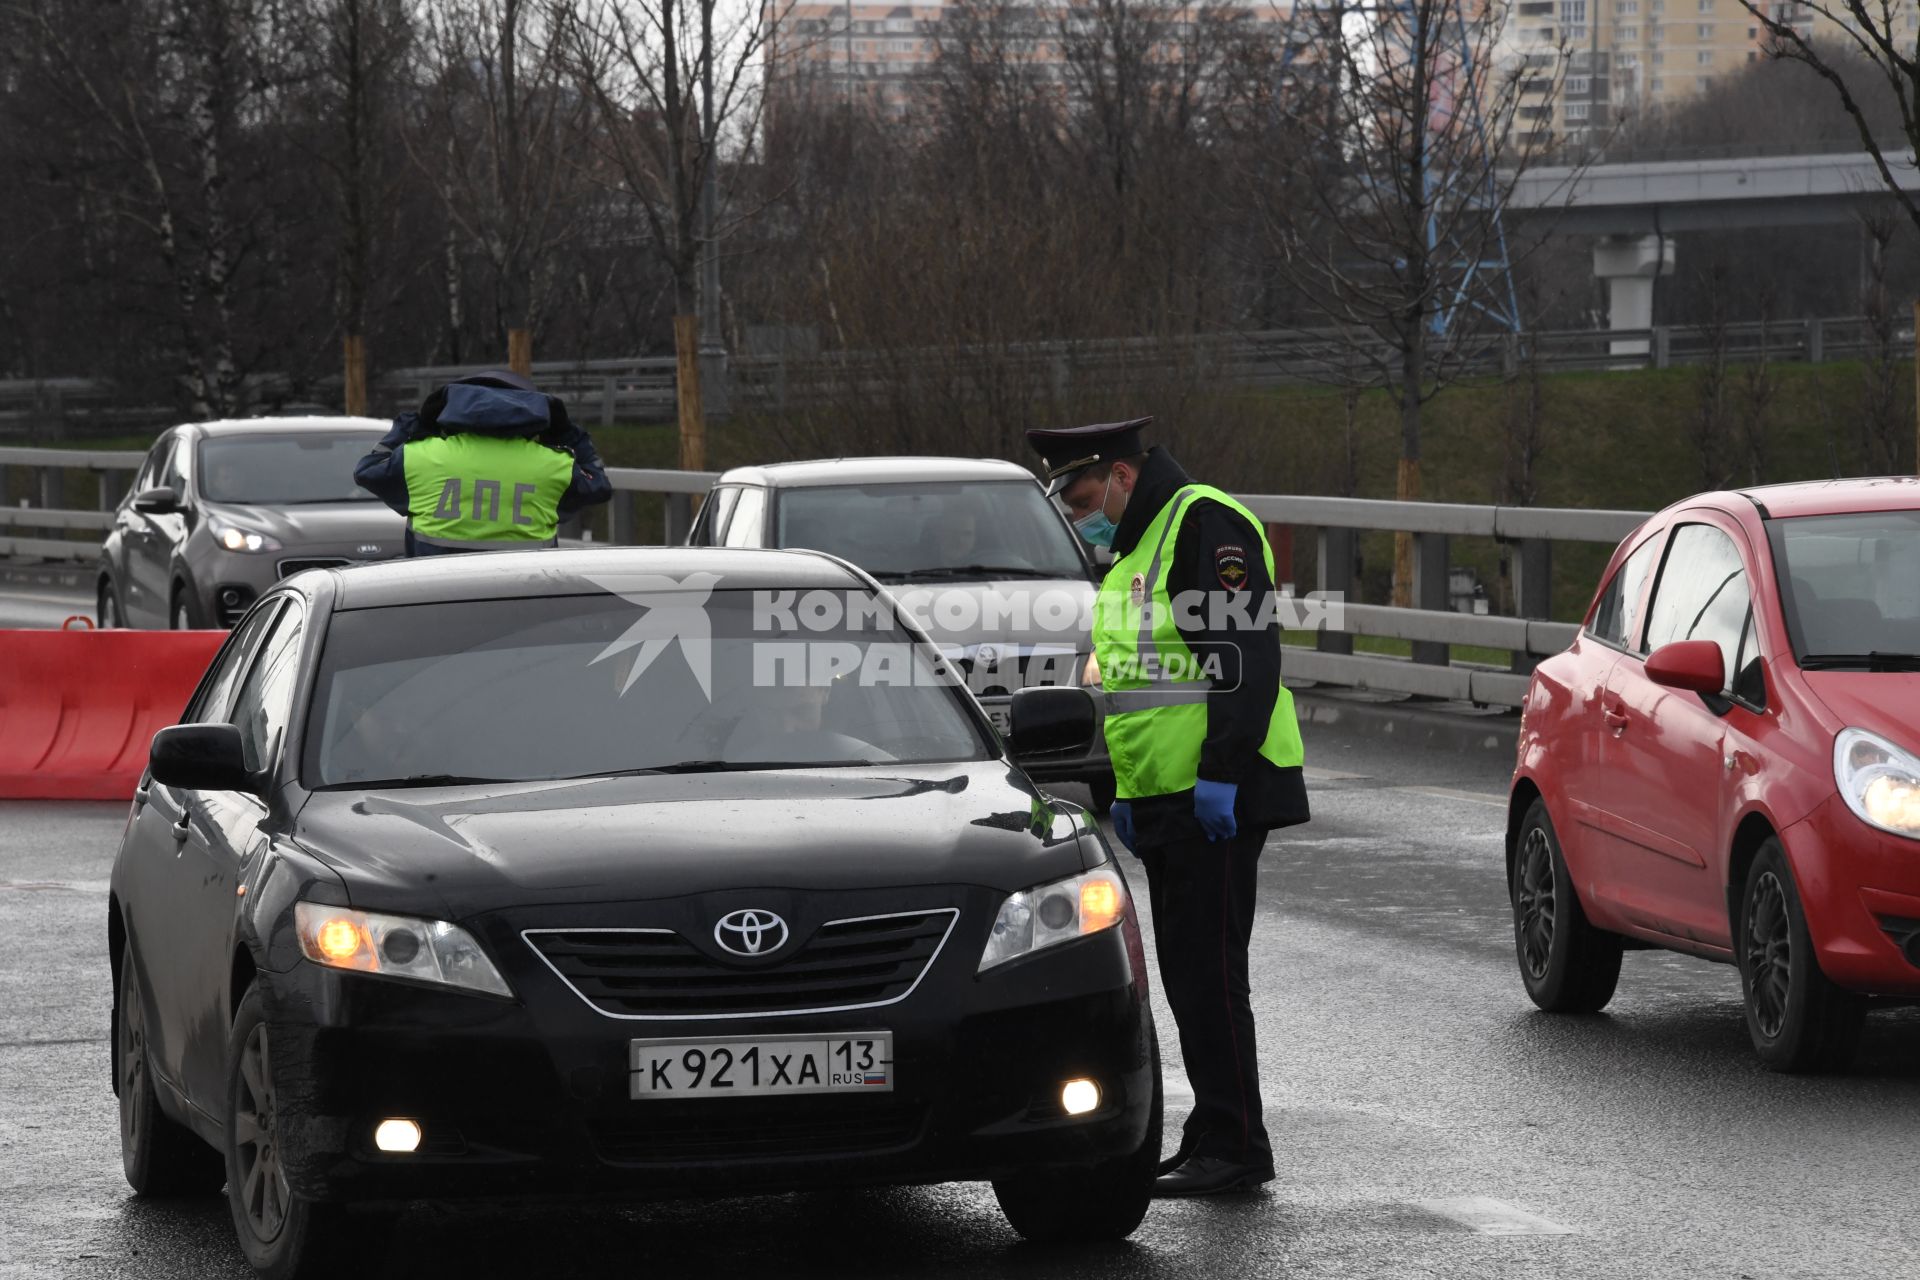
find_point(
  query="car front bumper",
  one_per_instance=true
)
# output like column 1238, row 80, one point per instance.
column 1860, row 889
column 531, row 1097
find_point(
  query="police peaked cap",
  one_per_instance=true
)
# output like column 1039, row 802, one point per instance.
column 1069, row 451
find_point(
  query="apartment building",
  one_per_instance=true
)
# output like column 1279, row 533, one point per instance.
column 879, row 54
column 1623, row 56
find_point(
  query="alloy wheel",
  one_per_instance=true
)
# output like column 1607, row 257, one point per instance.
column 264, row 1197
column 1534, row 903
column 1769, row 953
column 133, row 1067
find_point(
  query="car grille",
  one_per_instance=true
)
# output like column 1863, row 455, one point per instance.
column 656, row 973
column 755, row 1129
column 293, row 565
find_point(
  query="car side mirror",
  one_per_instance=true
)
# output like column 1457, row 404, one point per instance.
column 1696, row 665
column 1048, row 720
column 201, row 757
column 158, row 501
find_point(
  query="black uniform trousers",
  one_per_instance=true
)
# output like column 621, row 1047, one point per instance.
column 1202, row 895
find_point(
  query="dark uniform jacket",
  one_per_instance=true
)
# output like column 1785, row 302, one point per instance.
column 1217, row 547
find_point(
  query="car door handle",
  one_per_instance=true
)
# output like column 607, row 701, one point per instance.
column 182, row 828
column 1615, row 720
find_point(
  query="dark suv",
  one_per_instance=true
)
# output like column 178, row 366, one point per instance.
column 222, row 510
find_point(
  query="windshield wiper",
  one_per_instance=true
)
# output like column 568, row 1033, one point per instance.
column 1871, row 661
column 972, row 571
column 714, row 766
column 420, row 780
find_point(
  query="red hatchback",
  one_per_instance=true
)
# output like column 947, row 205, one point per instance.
column 1727, row 763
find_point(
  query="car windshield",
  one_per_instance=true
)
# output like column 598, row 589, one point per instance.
column 284, row 470
column 960, row 529
column 584, row 686
column 1852, row 593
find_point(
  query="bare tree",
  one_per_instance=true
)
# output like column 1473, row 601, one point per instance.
column 1710, row 429
column 497, row 125
column 362, row 46
column 1387, row 217
column 1884, row 410
column 669, row 81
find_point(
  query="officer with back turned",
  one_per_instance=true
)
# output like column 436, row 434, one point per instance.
column 488, row 463
column 1206, row 755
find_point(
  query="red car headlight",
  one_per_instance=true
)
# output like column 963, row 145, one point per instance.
column 1879, row 781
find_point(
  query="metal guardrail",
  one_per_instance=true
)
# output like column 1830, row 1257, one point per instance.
column 643, row 389
column 1430, row 628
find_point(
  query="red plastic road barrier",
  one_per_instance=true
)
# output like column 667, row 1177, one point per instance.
column 78, row 709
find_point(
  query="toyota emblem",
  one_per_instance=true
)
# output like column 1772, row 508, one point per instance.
column 750, row 932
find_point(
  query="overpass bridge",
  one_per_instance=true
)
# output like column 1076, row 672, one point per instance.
column 1637, row 206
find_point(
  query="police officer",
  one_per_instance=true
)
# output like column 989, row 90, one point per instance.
column 488, row 463
column 1206, row 755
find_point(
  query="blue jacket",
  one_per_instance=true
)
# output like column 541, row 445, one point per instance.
column 484, row 410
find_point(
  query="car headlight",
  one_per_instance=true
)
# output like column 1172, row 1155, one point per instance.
column 234, row 538
column 1879, row 781
column 1049, row 914
column 395, row 947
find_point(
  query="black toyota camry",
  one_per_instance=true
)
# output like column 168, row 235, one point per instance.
column 615, row 873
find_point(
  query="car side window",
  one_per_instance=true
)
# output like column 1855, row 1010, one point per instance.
column 1749, row 679
column 710, row 525
column 216, row 694
column 743, row 529
column 151, row 469
column 1702, row 594
column 1616, row 618
column 266, row 698
column 174, row 473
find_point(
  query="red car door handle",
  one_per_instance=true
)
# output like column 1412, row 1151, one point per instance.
column 1614, row 719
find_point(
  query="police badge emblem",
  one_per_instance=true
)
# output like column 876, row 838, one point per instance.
column 1138, row 588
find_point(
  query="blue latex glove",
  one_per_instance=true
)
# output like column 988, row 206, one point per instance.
column 1213, row 805
column 1122, row 815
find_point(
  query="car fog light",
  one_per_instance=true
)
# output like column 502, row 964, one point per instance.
column 1078, row 1097
column 400, row 1136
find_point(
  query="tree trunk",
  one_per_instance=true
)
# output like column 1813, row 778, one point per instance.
column 693, row 423
column 520, row 351
column 1406, row 485
column 354, row 349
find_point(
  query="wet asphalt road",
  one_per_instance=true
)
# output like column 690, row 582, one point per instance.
column 1404, row 1072
column 42, row 606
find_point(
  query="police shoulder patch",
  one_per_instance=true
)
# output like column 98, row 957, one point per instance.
column 1230, row 565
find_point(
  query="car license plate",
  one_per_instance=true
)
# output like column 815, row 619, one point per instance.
column 756, row 1066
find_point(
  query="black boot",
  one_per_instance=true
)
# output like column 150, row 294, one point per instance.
column 1210, row 1176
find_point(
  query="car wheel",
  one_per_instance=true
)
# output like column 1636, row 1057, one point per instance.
column 161, row 1157
column 1568, row 966
column 181, row 613
column 107, row 606
column 282, row 1235
column 1105, row 1202
column 1798, row 1020
column 1104, row 791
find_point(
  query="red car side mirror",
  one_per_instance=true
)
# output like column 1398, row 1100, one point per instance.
column 1689, row 664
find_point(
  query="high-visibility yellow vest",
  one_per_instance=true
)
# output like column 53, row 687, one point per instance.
column 485, row 493
column 1155, row 687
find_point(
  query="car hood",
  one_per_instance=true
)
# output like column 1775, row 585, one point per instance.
column 312, row 524
column 455, row 852
column 1023, row 612
column 1882, row 702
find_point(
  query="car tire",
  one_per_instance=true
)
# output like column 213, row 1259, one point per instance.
column 161, row 1157
column 1104, row 790
column 1105, row 1202
column 1798, row 1019
column 284, row 1236
column 1567, row 965
column 183, row 613
column 107, row 606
